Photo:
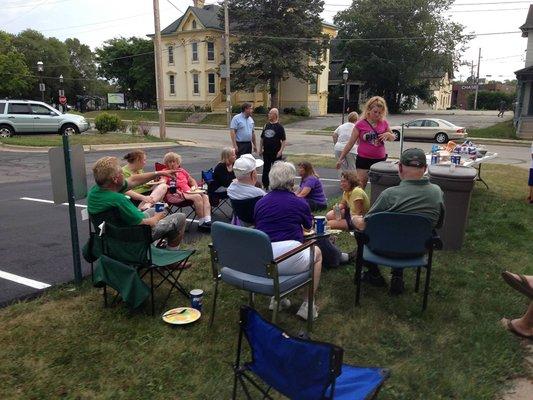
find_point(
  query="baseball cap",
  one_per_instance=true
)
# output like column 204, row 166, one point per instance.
column 413, row 158
column 246, row 164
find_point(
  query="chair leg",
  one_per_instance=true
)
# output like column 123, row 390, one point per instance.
column 251, row 299
column 215, row 294
column 417, row 282
column 357, row 278
column 275, row 310
column 426, row 289
column 310, row 306
column 152, row 290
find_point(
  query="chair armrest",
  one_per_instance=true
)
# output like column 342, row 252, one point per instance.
column 435, row 242
column 294, row 251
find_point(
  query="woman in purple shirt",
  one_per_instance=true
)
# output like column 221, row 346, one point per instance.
column 310, row 187
column 283, row 216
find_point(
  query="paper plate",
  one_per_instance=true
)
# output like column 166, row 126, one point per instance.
column 181, row 315
column 334, row 231
column 309, row 233
column 195, row 191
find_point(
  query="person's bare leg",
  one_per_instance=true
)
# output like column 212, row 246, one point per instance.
column 206, row 205
column 177, row 240
column 198, row 203
column 317, row 271
column 524, row 324
column 159, row 192
column 362, row 175
column 338, row 223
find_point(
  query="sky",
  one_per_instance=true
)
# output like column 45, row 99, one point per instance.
column 95, row 21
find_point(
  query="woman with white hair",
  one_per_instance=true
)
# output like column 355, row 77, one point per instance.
column 281, row 215
column 341, row 136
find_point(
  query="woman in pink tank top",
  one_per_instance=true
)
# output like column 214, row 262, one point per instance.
column 371, row 132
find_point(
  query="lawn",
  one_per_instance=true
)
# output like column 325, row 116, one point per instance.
column 259, row 119
column 66, row 345
column 501, row 130
column 83, row 139
column 152, row 115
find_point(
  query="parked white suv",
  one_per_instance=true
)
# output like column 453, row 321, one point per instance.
column 23, row 116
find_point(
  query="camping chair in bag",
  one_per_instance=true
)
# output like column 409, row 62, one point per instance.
column 217, row 199
column 243, row 258
column 132, row 245
column 300, row 369
column 243, row 211
column 179, row 206
column 397, row 240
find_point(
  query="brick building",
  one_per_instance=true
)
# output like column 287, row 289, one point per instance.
column 461, row 91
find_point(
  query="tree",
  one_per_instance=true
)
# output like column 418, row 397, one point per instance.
column 130, row 63
column 83, row 69
column 395, row 46
column 15, row 76
column 276, row 38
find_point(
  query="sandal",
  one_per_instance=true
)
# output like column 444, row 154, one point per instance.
column 521, row 284
column 508, row 325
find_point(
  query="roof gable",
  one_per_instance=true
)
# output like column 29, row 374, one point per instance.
column 528, row 25
column 206, row 16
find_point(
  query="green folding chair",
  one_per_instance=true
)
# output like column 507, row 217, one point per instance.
column 132, row 245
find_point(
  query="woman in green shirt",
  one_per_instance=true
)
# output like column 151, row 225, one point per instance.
column 146, row 195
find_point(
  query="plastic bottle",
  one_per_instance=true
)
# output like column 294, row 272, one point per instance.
column 337, row 211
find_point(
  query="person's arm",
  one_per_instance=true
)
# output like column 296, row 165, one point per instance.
column 139, row 197
column 387, row 135
column 261, row 145
column 232, row 135
column 335, row 137
column 304, row 191
column 357, row 207
column 348, row 146
column 254, row 146
column 280, row 152
column 139, row 179
column 152, row 221
column 192, row 182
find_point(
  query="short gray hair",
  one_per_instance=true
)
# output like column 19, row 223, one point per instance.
column 281, row 176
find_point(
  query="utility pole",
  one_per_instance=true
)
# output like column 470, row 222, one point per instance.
column 159, row 73
column 226, row 56
column 477, row 79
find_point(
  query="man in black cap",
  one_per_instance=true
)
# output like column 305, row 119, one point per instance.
column 414, row 195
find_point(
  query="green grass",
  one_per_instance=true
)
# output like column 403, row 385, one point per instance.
column 259, row 119
column 316, row 160
column 501, row 130
column 170, row 116
column 66, row 345
column 83, row 139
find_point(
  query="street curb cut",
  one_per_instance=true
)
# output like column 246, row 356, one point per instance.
column 99, row 147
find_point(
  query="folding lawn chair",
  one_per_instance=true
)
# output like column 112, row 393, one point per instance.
column 300, row 369
column 132, row 245
column 179, row 206
column 243, row 211
column 217, row 199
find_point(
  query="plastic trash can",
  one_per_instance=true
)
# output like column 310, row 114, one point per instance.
column 457, row 186
column 382, row 175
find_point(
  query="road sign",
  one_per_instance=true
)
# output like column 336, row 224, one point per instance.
column 63, row 100
column 61, row 92
column 42, row 88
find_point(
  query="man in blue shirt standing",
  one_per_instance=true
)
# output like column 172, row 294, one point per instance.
column 242, row 131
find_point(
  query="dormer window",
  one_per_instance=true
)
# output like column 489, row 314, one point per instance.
column 193, row 24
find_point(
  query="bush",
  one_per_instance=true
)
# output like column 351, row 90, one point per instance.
column 106, row 122
column 144, row 128
column 289, row 110
column 236, row 109
column 303, row 111
column 260, row 110
column 491, row 100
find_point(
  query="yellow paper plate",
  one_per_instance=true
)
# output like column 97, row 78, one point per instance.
column 181, row 315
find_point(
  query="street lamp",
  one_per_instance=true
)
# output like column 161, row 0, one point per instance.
column 345, row 79
column 61, row 94
column 40, row 68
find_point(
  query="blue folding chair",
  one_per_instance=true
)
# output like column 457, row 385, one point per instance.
column 300, row 369
column 217, row 199
column 396, row 240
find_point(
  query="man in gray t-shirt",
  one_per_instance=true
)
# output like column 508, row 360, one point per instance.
column 414, row 195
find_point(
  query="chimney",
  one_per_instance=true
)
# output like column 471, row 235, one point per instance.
column 199, row 3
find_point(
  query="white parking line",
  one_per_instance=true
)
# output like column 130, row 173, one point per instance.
column 50, row 202
column 23, row 281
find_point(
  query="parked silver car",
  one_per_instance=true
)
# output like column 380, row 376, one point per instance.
column 23, row 116
column 430, row 128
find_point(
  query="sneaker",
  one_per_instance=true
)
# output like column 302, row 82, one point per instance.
column 283, row 303
column 397, row 286
column 302, row 312
column 374, row 279
column 205, row 226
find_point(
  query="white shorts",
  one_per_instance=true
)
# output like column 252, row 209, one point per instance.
column 296, row 264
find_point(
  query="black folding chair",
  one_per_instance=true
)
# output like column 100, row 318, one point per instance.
column 217, row 199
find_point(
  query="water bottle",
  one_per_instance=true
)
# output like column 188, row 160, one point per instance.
column 172, row 186
column 337, row 211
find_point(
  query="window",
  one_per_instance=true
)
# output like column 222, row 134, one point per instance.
column 210, row 51
column 313, row 86
column 211, row 83
column 195, row 51
column 171, row 54
column 431, row 124
column 39, row 109
column 2, row 107
column 193, row 24
column 195, row 84
column 15, row 108
column 418, row 122
column 171, row 81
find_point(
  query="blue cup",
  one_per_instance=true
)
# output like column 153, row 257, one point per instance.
column 159, row 207
column 197, row 296
column 320, row 225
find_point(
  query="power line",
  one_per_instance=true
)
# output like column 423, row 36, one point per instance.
column 23, row 15
column 94, row 23
column 173, row 5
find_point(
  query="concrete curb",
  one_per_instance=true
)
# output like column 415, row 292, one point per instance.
column 98, row 147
